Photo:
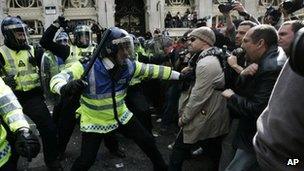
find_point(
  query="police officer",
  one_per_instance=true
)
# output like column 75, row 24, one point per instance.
column 50, row 66
column 102, row 108
column 27, row 144
column 83, row 45
column 19, row 67
column 64, row 112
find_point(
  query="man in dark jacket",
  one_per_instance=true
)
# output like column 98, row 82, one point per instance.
column 254, row 89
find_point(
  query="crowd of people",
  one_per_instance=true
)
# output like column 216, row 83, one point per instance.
column 235, row 96
column 187, row 20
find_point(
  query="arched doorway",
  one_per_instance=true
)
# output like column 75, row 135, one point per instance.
column 130, row 15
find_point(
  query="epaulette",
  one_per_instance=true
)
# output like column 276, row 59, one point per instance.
column 84, row 60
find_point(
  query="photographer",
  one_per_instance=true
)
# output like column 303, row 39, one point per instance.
column 225, row 9
column 260, row 44
column 205, row 118
column 236, row 64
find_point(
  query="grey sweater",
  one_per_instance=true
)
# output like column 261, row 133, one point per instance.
column 280, row 128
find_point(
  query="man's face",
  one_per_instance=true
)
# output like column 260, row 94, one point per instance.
column 121, row 56
column 63, row 42
column 250, row 47
column 20, row 37
column 269, row 20
column 85, row 39
column 240, row 33
column 125, row 50
column 195, row 44
column 286, row 36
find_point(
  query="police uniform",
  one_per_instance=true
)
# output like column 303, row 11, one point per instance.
column 30, row 97
column 64, row 111
column 96, row 107
column 12, row 115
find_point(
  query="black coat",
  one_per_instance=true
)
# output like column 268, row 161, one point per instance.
column 252, row 96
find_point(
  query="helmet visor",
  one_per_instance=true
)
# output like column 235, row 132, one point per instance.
column 125, row 45
column 19, row 33
column 83, row 38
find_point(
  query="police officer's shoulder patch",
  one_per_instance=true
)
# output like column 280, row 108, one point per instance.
column 84, row 60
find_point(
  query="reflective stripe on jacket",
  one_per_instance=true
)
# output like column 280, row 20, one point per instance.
column 12, row 115
column 17, row 64
column 78, row 53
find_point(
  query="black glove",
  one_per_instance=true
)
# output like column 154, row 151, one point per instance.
column 96, row 28
column 61, row 22
column 10, row 81
column 187, row 76
column 27, row 143
column 74, row 87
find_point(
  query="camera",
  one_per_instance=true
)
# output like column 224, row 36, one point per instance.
column 182, row 56
column 226, row 7
column 274, row 13
column 291, row 6
column 238, row 52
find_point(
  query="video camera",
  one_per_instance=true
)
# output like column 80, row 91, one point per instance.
column 291, row 6
column 226, row 7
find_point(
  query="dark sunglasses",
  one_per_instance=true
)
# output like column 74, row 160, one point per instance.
column 192, row 39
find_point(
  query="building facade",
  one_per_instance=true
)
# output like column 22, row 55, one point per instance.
column 136, row 16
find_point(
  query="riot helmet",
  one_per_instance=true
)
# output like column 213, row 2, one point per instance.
column 62, row 38
column 119, row 46
column 141, row 41
column 135, row 40
column 15, row 33
column 83, row 36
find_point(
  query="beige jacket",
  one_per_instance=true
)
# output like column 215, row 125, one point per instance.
column 205, row 113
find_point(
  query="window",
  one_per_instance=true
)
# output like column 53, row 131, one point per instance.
column 35, row 27
column 24, row 3
column 178, row 2
column 267, row 3
column 78, row 3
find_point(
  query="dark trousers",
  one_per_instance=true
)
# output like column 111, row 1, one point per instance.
column 138, row 104
column 35, row 108
column 64, row 117
column 170, row 111
column 134, row 130
column 181, row 151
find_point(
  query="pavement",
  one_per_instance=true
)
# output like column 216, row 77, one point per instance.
column 136, row 160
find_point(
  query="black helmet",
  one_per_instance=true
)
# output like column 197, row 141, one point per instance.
column 117, row 39
column 135, row 40
column 15, row 33
column 141, row 40
column 83, row 36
